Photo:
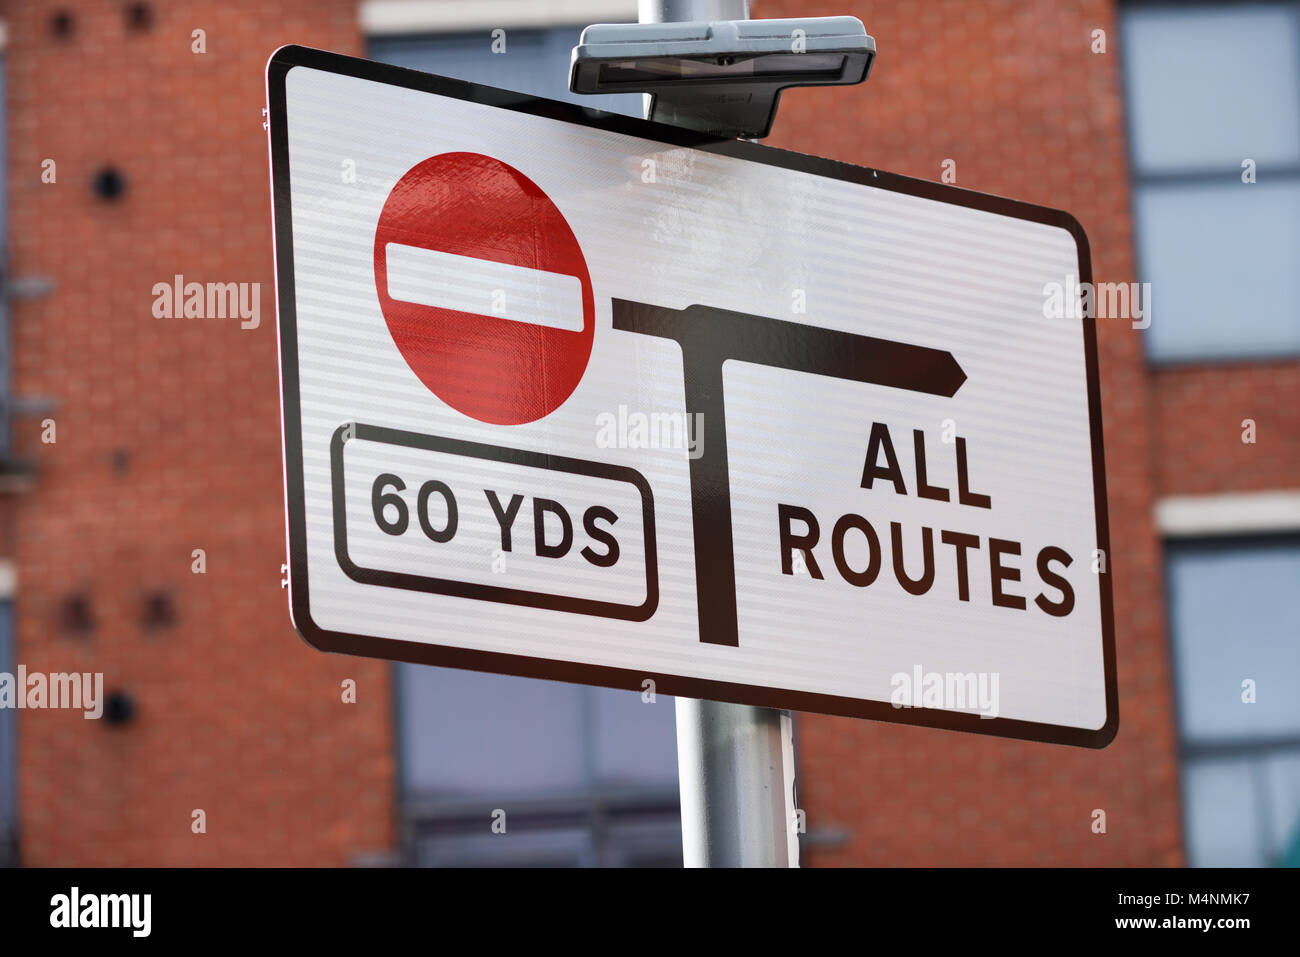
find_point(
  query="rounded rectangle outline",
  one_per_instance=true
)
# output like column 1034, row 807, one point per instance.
column 497, row 593
column 286, row 58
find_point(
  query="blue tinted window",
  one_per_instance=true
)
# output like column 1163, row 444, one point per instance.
column 1223, row 261
column 1235, row 618
column 1222, row 815
column 586, row 776
column 1210, row 87
column 1236, row 648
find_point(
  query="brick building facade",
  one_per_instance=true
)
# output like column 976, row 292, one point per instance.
column 167, row 442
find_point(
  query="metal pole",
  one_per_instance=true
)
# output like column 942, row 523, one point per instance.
column 682, row 11
column 735, row 763
column 735, row 768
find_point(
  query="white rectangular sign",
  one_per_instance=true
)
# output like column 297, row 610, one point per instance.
column 582, row 397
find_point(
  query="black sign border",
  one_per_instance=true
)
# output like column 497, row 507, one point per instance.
column 498, row 593
column 287, row 57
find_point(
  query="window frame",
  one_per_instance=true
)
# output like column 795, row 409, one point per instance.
column 1204, row 176
column 1250, row 751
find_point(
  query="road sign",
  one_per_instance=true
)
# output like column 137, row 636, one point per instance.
column 578, row 396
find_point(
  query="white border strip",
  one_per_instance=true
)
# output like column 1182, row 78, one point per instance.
column 8, row 579
column 396, row 17
column 1233, row 513
column 4, row 36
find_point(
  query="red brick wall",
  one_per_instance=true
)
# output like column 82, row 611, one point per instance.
column 1013, row 93
column 1198, row 414
column 235, row 714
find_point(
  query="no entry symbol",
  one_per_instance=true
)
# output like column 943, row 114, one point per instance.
column 484, row 288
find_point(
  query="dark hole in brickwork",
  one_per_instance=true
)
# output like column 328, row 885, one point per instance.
column 120, row 460
column 76, row 616
column 139, row 16
column 119, row 708
column 159, row 611
column 62, row 24
column 109, row 184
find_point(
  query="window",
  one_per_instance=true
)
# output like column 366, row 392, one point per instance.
column 1211, row 87
column 585, row 776
column 1234, row 620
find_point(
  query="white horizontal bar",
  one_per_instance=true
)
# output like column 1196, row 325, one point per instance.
column 1233, row 513
column 395, row 17
column 430, row 277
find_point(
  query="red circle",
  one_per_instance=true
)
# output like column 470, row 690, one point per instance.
column 491, row 368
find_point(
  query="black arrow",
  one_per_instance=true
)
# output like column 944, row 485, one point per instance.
column 708, row 337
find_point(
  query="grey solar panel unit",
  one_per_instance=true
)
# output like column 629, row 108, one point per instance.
column 723, row 78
